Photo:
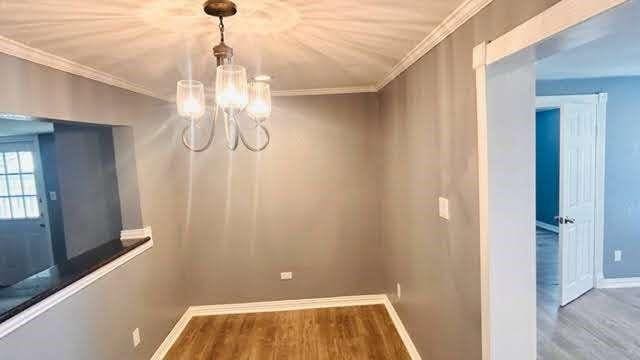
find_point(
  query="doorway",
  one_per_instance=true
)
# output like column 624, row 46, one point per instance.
column 569, row 193
column 24, row 221
column 506, row 85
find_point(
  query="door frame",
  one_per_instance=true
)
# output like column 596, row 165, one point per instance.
column 600, row 101
column 501, row 312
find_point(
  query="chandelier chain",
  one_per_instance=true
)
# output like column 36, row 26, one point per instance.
column 221, row 26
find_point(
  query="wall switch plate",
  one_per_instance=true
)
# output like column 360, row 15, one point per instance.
column 286, row 276
column 443, row 205
column 398, row 290
column 136, row 337
column 617, row 255
column 53, row 196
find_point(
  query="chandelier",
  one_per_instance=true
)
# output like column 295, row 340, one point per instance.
column 234, row 95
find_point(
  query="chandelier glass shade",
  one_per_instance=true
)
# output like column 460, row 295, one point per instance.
column 190, row 99
column 231, row 87
column 259, row 101
column 234, row 95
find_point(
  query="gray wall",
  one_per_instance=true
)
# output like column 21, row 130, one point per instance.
column 513, row 288
column 308, row 204
column 88, row 182
column 428, row 116
column 128, row 183
column 622, row 166
column 147, row 292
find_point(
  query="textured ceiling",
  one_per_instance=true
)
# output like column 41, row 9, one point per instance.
column 303, row 44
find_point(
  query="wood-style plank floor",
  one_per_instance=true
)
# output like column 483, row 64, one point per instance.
column 360, row 332
column 602, row 324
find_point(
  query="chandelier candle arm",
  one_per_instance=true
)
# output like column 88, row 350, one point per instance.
column 231, row 130
column 263, row 146
column 210, row 139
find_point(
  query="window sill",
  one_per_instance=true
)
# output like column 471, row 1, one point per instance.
column 75, row 275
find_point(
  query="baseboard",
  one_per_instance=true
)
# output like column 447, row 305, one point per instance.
column 136, row 233
column 552, row 228
column 173, row 336
column 618, row 283
column 402, row 331
column 286, row 305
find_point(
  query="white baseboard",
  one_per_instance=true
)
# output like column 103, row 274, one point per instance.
column 402, row 331
column 136, row 234
column 618, row 283
column 286, row 305
column 552, row 228
column 173, row 336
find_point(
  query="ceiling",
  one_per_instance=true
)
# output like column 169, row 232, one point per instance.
column 303, row 44
column 617, row 54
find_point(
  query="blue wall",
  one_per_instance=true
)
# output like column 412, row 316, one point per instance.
column 88, row 183
column 50, row 173
column 547, row 166
column 622, row 168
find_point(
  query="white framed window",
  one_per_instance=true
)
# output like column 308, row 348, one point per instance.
column 18, row 190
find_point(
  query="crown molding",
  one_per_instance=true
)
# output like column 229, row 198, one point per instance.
column 326, row 91
column 210, row 93
column 450, row 24
column 25, row 52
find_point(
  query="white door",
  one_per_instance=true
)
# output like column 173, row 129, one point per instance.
column 25, row 239
column 577, row 199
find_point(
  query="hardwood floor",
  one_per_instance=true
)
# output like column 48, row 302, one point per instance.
column 360, row 332
column 602, row 324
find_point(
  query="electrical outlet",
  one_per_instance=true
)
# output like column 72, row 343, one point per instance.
column 617, row 255
column 53, row 196
column 286, row 276
column 398, row 290
column 443, row 205
column 136, row 337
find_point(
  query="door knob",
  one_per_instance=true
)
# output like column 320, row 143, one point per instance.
column 565, row 220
